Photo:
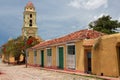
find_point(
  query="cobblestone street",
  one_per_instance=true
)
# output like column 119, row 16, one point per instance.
column 10, row 72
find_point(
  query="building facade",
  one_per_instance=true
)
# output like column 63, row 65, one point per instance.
column 85, row 51
column 74, row 52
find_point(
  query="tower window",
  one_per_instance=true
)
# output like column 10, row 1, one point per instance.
column 30, row 15
column 30, row 23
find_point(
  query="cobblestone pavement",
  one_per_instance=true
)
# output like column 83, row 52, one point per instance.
column 11, row 72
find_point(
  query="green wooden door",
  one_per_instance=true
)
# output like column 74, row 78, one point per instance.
column 42, row 58
column 61, row 58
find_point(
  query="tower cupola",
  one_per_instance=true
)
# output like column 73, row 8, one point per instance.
column 29, row 7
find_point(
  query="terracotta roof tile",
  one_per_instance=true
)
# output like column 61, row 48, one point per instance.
column 78, row 35
column 29, row 4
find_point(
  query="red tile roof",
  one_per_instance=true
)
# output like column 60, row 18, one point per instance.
column 78, row 35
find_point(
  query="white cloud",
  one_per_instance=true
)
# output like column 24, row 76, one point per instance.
column 75, row 3
column 119, row 19
column 88, row 4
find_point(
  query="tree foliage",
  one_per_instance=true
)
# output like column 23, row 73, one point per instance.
column 31, row 41
column 16, row 47
column 105, row 24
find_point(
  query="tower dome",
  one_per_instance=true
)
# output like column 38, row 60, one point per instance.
column 29, row 6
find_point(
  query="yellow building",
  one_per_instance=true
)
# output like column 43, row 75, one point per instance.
column 10, row 59
column 86, row 51
column 106, row 56
column 70, row 52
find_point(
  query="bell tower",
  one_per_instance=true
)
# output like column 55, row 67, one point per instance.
column 29, row 25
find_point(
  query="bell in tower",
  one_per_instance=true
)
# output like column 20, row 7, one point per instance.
column 29, row 25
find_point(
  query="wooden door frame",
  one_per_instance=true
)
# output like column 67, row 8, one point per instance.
column 86, row 61
column 59, row 56
column 42, row 65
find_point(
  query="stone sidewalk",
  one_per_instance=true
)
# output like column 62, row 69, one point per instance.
column 19, row 72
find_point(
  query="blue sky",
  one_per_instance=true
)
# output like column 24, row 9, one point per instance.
column 54, row 17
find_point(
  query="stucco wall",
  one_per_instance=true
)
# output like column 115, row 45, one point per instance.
column 38, row 58
column 11, row 58
column 54, row 65
column 65, row 56
column 105, row 56
column 79, row 56
column 31, row 57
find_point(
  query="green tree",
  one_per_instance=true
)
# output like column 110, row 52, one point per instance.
column 16, row 47
column 105, row 24
column 7, row 49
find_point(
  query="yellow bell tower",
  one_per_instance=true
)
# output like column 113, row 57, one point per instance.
column 29, row 25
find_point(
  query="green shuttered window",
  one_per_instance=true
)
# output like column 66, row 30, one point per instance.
column 49, row 52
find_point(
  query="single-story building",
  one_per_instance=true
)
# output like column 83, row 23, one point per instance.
column 86, row 51
column 10, row 59
column 70, row 52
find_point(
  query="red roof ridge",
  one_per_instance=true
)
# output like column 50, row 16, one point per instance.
column 78, row 35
